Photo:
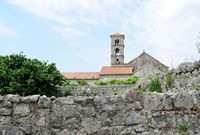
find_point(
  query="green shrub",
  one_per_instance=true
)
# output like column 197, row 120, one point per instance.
column 112, row 82
column 66, row 82
column 82, row 83
column 24, row 76
column 100, row 83
column 130, row 80
column 154, row 85
column 169, row 80
column 68, row 93
column 183, row 127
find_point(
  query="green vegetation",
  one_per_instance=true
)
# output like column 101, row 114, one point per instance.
column 78, row 83
column 130, row 80
column 197, row 87
column 154, row 84
column 68, row 93
column 141, row 89
column 169, row 80
column 89, row 93
column 82, row 83
column 183, row 127
column 24, row 76
column 198, row 109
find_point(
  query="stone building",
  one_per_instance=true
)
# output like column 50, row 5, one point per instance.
column 142, row 66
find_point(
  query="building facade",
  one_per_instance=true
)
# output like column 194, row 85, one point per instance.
column 142, row 66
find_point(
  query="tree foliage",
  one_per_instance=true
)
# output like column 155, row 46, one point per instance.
column 24, row 76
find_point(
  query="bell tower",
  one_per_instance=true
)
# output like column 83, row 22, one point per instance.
column 117, row 49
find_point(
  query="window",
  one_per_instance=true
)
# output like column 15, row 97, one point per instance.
column 117, row 51
column 117, row 42
column 117, row 61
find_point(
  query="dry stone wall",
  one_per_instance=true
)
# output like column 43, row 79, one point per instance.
column 186, row 77
column 98, row 90
column 133, row 113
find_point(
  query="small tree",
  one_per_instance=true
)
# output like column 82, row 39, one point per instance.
column 24, row 76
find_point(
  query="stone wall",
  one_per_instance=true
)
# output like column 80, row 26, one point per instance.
column 109, row 77
column 131, row 114
column 186, row 76
column 98, row 90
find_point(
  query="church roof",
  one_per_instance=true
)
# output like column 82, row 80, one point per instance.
column 81, row 75
column 116, row 70
column 144, row 53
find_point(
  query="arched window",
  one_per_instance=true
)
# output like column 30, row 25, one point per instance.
column 117, row 42
column 117, row 51
column 117, row 61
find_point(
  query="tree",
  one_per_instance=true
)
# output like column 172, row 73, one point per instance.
column 24, row 76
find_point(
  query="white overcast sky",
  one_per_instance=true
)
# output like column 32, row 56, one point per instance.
column 74, row 34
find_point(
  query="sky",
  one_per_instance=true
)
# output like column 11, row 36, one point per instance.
column 75, row 34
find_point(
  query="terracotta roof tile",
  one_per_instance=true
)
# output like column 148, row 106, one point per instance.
column 81, row 75
column 116, row 70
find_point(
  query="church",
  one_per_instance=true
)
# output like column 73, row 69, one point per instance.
column 142, row 66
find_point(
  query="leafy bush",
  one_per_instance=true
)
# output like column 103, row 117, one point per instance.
column 130, row 80
column 169, row 80
column 100, row 83
column 82, row 83
column 24, row 76
column 183, row 127
column 154, row 85
column 68, row 93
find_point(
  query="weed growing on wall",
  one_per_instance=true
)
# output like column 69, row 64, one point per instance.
column 169, row 79
column 154, row 84
column 183, row 127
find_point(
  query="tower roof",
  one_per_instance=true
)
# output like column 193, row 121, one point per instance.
column 117, row 35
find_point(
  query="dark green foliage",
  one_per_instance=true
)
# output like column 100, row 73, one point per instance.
column 154, row 85
column 24, row 76
column 82, row 83
column 68, row 93
column 183, row 127
column 100, row 83
column 169, row 79
column 130, row 80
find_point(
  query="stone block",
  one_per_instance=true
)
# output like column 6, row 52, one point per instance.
column 153, row 102
column 28, row 99
column 44, row 102
column 22, row 110
column 183, row 100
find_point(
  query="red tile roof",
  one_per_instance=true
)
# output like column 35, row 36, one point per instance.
column 81, row 75
column 116, row 70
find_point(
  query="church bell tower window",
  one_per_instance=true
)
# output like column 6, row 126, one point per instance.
column 117, row 51
column 117, row 42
